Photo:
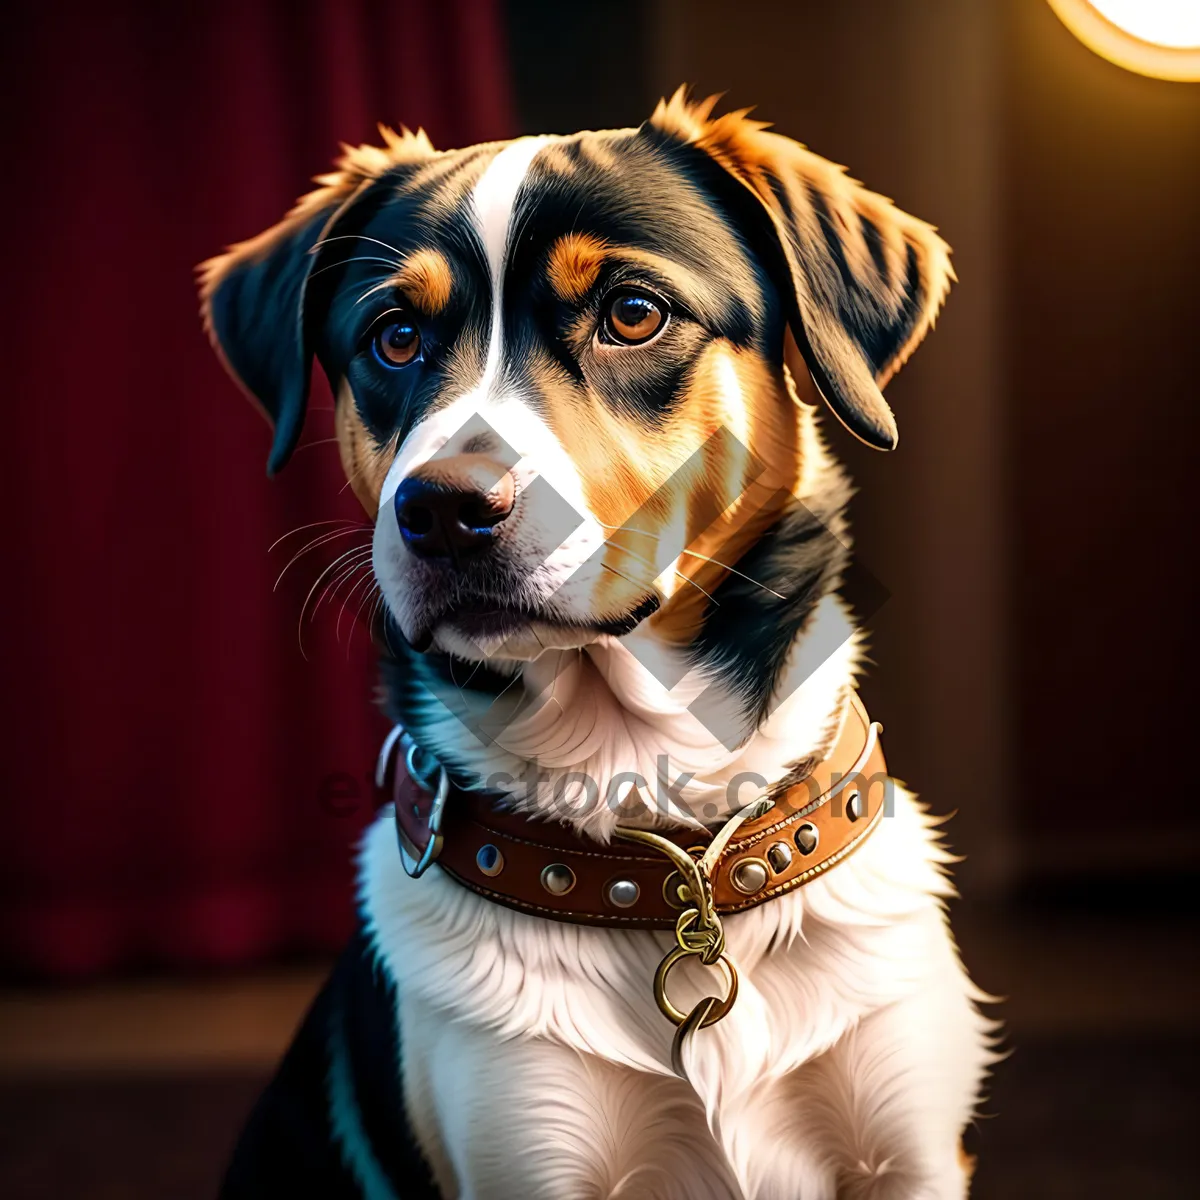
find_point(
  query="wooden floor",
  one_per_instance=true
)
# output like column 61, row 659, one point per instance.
column 136, row 1089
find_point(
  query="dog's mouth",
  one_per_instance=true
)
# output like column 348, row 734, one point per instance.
column 481, row 628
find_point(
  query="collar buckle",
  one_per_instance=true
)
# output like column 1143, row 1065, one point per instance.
column 431, row 777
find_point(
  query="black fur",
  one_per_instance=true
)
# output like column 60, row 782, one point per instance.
column 292, row 1145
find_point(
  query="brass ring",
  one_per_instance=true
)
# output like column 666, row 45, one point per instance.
column 673, row 1014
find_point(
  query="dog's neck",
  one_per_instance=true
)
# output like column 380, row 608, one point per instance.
column 594, row 739
column 638, row 731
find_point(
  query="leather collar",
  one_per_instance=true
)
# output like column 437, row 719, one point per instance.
column 547, row 869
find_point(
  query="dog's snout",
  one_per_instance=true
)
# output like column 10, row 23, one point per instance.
column 451, row 507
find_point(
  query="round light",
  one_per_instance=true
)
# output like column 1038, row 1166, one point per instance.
column 1160, row 22
column 1153, row 37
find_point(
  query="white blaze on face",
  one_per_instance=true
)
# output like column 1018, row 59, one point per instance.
column 504, row 410
column 493, row 201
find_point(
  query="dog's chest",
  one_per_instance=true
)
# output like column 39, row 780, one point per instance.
column 534, row 1050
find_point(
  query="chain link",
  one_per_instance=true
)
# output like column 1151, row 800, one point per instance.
column 700, row 934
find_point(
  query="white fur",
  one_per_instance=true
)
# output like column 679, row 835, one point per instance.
column 540, row 454
column 536, row 1064
column 601, row 712
column 505, row 411
column 492, row 202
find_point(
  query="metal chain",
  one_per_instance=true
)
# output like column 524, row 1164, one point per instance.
column 699, row 932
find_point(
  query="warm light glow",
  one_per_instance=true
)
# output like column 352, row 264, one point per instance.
column 1162, row 22
column 1153, row 37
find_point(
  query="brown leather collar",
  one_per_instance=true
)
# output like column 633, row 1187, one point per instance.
column 547, row 869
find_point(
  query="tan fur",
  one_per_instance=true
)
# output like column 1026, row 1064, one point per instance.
column 575, row 262
column 427, row 280
column 427, row 273
column 826, row 1077
column 555, row 161
column 357, row 166
column 364, row 462
column 755, row 156
column 967, row 1162
column 695, row 483
column 748, row 477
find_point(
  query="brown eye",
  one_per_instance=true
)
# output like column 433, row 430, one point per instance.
column 633, row 318
column 397, row 343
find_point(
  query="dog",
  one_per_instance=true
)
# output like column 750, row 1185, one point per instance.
column 578, row 387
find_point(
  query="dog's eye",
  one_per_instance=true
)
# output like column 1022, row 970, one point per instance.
column 397, row 343
column 632, row 318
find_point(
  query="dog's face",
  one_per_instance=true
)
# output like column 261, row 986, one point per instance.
column 567, row 368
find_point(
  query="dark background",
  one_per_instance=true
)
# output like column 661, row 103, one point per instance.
column 182, row 790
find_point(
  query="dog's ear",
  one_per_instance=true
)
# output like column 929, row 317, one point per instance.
column 252, row 297
column 867, row 279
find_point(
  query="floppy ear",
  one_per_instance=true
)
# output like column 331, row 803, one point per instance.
column 867, row 279
column 252, row 297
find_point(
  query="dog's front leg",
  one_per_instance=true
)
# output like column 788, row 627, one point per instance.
column 889, row 1100
column 500, row 1117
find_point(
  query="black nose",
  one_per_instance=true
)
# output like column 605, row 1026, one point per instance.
column 451, row 507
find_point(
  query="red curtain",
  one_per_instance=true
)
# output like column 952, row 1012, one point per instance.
column 179, row 784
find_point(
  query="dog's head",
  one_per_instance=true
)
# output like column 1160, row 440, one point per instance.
column 571, row 372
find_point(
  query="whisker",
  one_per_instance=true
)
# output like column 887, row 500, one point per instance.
column 733, row 571
column 310, row 525
column 393, row 446
column 629, row 529
column 324, row 539
column 354, row 576
column 698, row 588
column 345, row 262
column 364, row 561
column 496, row 697
column 372, row 615
column 366, row 578
column 338, row 566
column 696, row 554
column 621, row 574
column 382, row 286
column 361, row 237
column 387, row 636
column 317, row 442
column 354, row 475
column 640, row 557
column 462, row 686
column 346, row 572
column 654, row 566
column 378, row 599
column 300, row 620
